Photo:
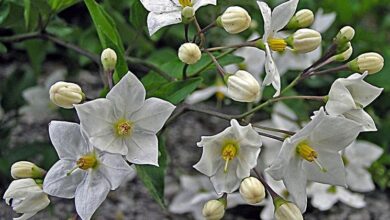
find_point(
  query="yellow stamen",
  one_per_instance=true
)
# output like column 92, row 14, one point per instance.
column 229, row 152
column 309, row 154
column 185, row 3
column 123, row 127
column 86, row 162
column 276, row 44
column 220, row 96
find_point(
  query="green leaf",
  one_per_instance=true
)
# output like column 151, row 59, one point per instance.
column 59, row 5
column 4, row 11
column 138, row 15
column 3, row 48
column 175, row 92
column 27, row 13
column 152, row 176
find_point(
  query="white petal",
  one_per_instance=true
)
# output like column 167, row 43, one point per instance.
column 272, row 74
column 359, row 179
column 363, row 153
column 340, row 99
column 114, row 168
column 322, row 21
column 280, row 163
column 361, row 91
column 90, row 194
column 32, row 203
column 160, row 6
column 266, row 13
column 284, row 118
column 25, row 216
column 142, row 148
column 152, row 116
column 282, row 14
column 199, row 3
column 267, row 213
column 226, row 182
column 363, row 118
column 210, row 161
column 58, row 183
column 127, row 95
column 352, row 199
column 321, row 198
column 201, row 95
column 156, row 21
column 234, row 199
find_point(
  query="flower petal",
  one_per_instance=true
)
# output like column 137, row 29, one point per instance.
column 156, row 21
column 359, row 179
column 226, row 182
column 282, row 14
column 199, row 3
column 114, row 168
column 363, row 153
column 209, row 163
column 361, row 91
column 340, row 99
column 142, row 148
column 321, row 198
column 352, row 199
column 266, row 13
column 322, row 21
column 272, row 73
column 363, row 118
column 201, row 95
column 160, row 6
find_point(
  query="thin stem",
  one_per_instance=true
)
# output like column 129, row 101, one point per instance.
column 200, row 33
column 270, row 136
column 209, row 112
column 236, row 46
column 219, row 67
column 211, row 62
column 185, row 71
column 274, row 129
column 150, row 66
column 269, row 189
column 208, row 27
column 331, row 70
column 20, row 37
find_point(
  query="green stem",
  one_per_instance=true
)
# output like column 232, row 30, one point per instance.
column 211, row 62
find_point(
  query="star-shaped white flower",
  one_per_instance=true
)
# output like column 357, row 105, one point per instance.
column 313, row 154
column 348, row 97
column 273, row 23
column 358, row 157
column 196, row 191
column 324, row 196
column 167, row 12
column 124, row 122
column 83, row 173
column 229, row 156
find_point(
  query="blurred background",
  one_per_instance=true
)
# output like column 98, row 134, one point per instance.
column 29, row 65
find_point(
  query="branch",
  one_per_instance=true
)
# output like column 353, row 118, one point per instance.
column 150, row 66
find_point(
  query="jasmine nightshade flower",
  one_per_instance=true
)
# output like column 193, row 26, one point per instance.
column 229, row 156
column 26, row 197
column 124, row 122
column 196, row 191
column 348, row 97
column 312, row 154
column 219, row 90
column 167, row 12
column 324, row 196
column 83, row 173
column 357, row 158
column 273, row 23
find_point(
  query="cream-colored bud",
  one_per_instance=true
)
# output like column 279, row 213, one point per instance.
column 213, row 210
column 370, row 62
column 108, row 59
column 344, row 55
column 305, row 40
column 243, row 87
column 235, row 20
column 25, row 169
column 188, row 12
column 66, row 94
column 252, row 190
column 189, row 53
column 303, row 18
column 345, row 35
column 288, row 211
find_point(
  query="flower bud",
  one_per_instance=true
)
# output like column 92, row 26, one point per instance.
column 66, row 94
column 343, row 56
column 235, row 20
column 25, row 169
column 213, row 210
column 188, row 12
column 285, row 210
column 345, row 35
column 252, row 190
column 305, row 40
column 108, row 59
column 303, row 18
column 370, row 62
column 243, row 87
column 189, row 53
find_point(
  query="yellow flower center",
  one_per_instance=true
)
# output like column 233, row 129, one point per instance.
column 277, row 44
column 332, row 190
column 86, row 162
column 309, row 154
column 123, row 128
column 185, row 3
column 228, row 153
column 220, row 96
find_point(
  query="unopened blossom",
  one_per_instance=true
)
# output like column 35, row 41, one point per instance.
column 83, row 173
column 65, row 94
column 243, row 87
column 213, row 210
column 167, row 12
column 26, row 169
column 26, row 197
column 367, row 62
column 229, row 156
column 273, row 23
column 288, row 211
column 302, row 19
column 252, row 190
column 345, row 35
column 305, row 40
column 324, row 196
column 349, row 96
column 312, row 154
column 189, row 53
column 235, row 20
column 357, row 158
column 195, row 192
column 124, row 122
column 108, row 59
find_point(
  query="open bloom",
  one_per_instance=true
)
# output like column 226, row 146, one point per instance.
column 348, row 97
column 273, row 23
column 167, row 12
column 229, row 156
column 312, row 154
column 357, row 158
column 26, row 197
column 124, row 122
column 324, row 196
column 82, row 172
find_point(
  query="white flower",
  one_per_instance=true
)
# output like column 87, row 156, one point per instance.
column 312, row 154
column 219, row 90
column 273, row 23
column 243, row 87
column 348, row 97
column 82, row 172
column 167, row 12
column 124, row 122
column 324, row 196
column 357, row 158
column 65, row 94
column 195, row 192
column 26, row 197
column 229, row 156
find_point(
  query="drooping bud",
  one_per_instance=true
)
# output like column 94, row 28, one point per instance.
column 188, row 13
column 287, row 211
column 304, row 40
column 343, row 56
column 108, row 59
column 345, row 35
column 25, row 169
column 252, row 190
column 303, row 18
column 213, row 210
column 235, row 20
column 370, row 62
column 189, row 53
column 66, row 94
column 243, row 87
